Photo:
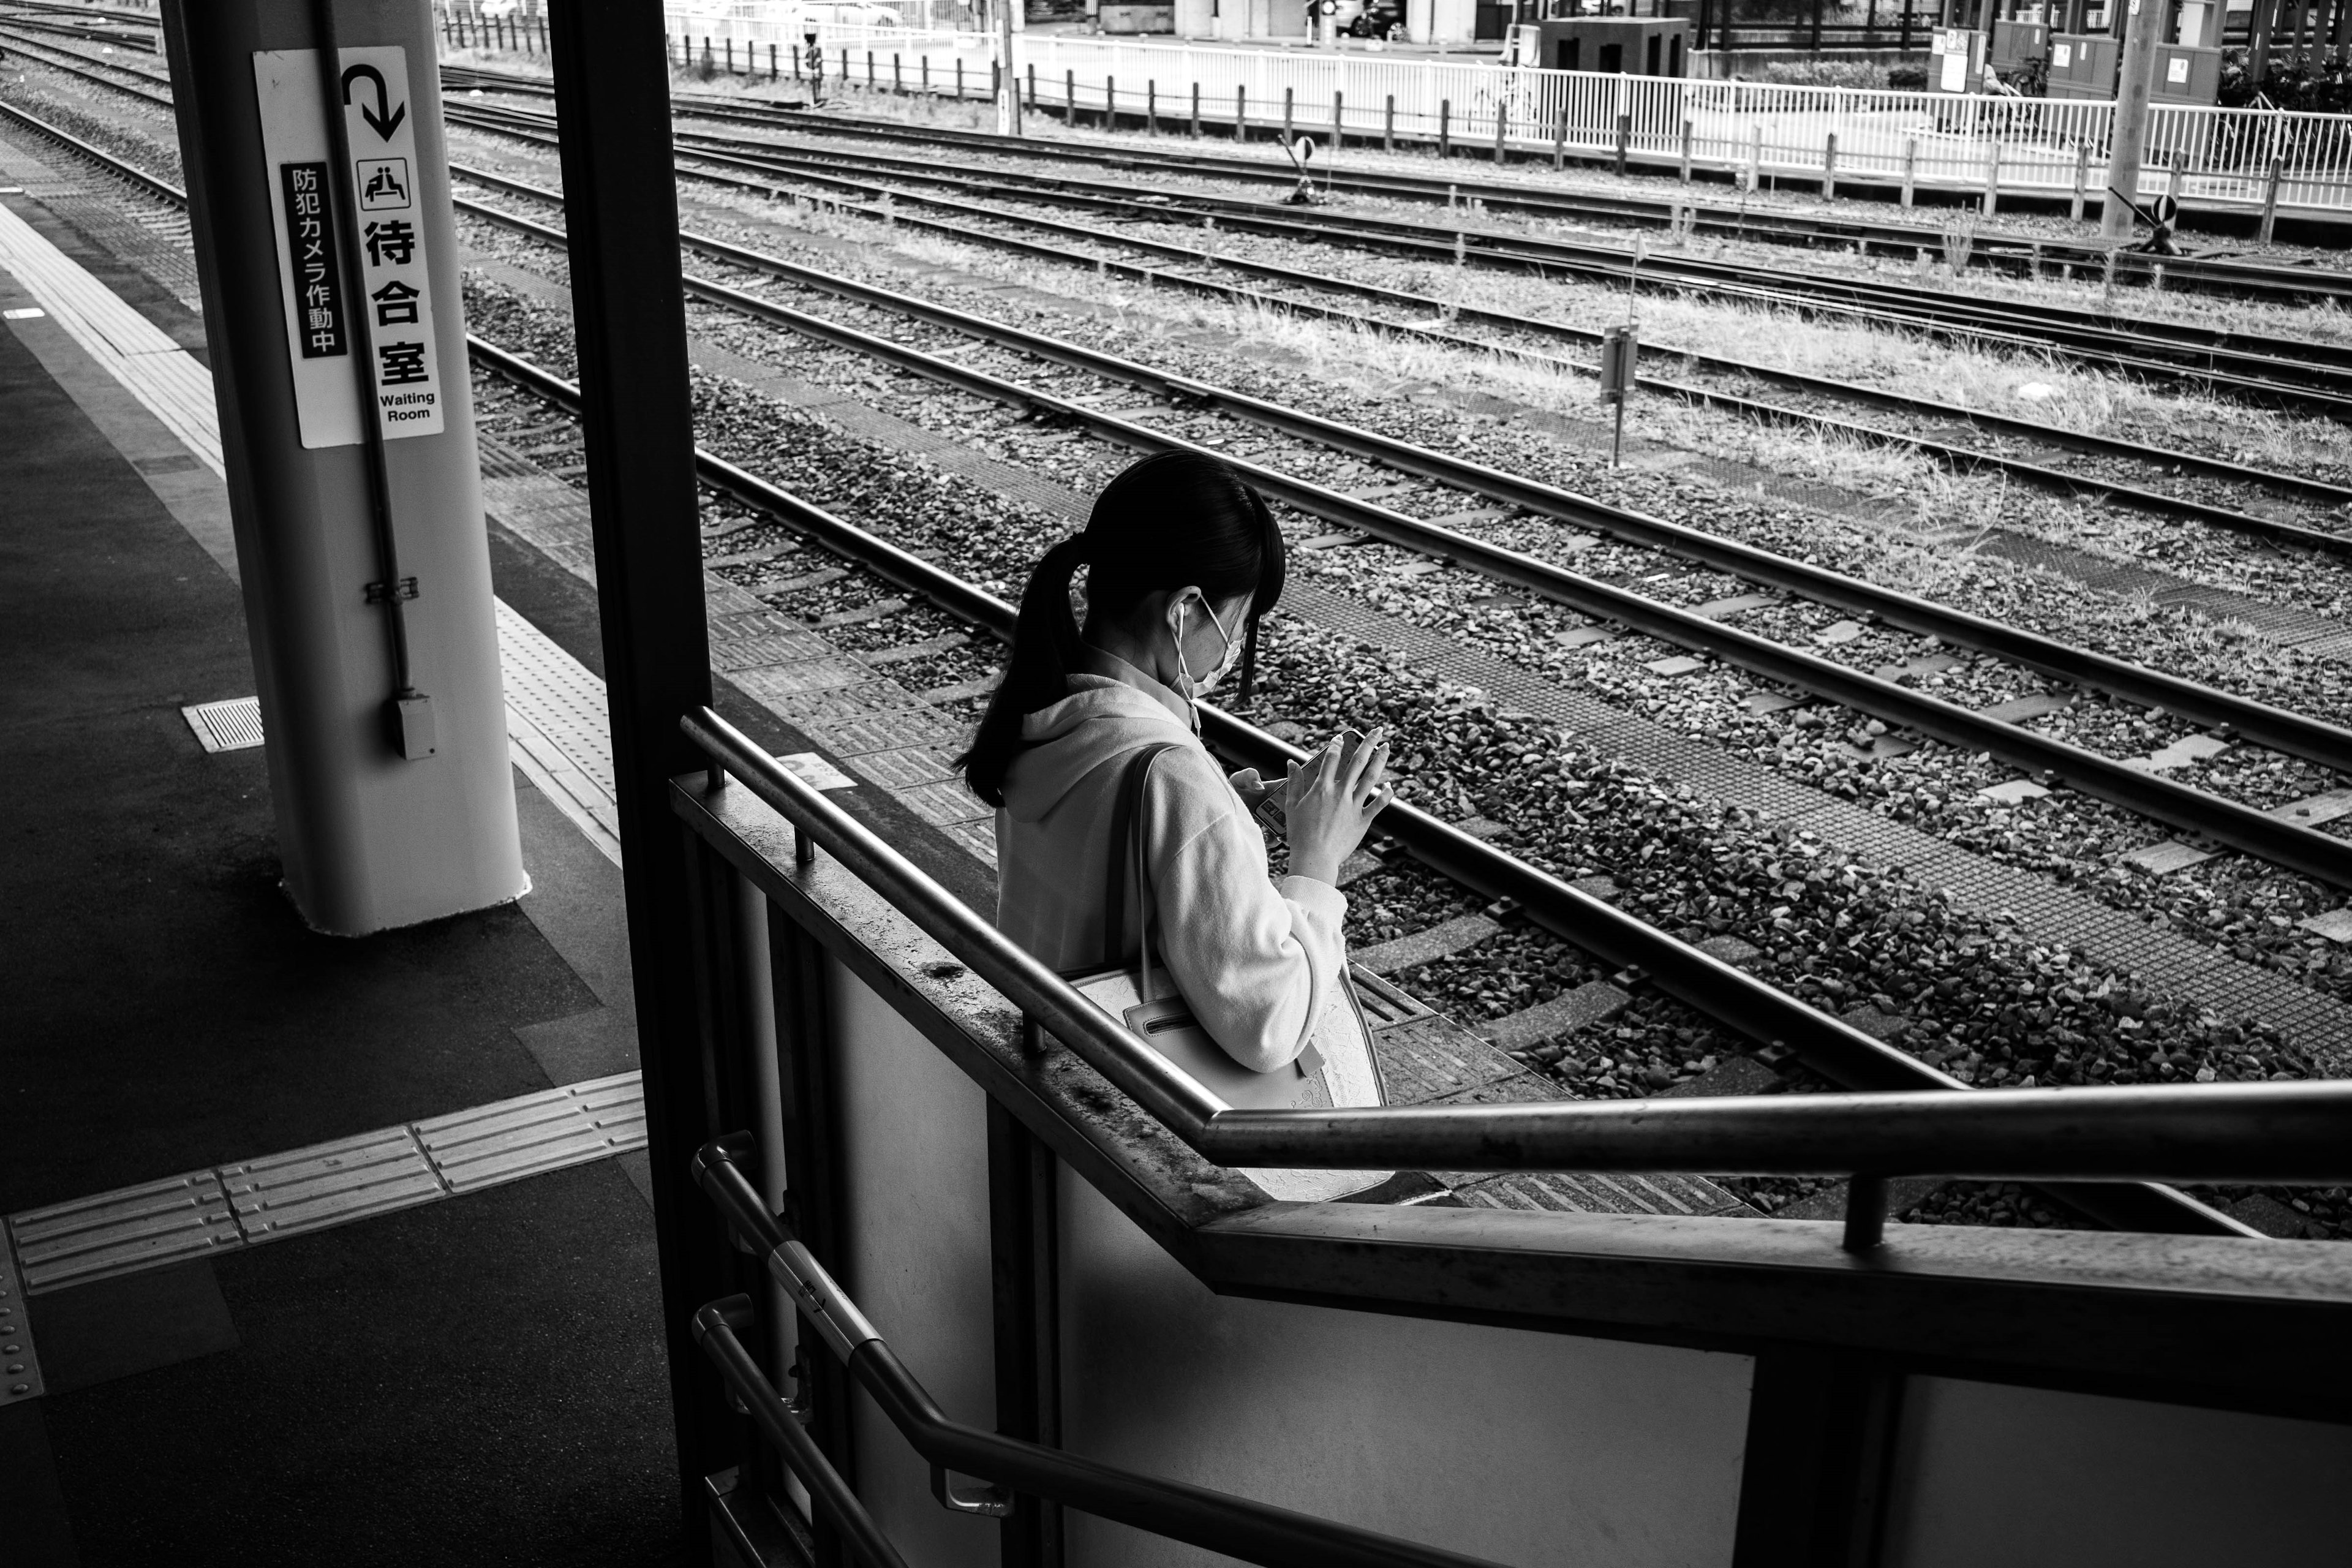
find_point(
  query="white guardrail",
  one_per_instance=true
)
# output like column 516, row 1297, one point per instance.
column 2213, row 158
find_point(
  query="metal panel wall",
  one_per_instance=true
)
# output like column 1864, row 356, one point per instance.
column 2031, row 1478
column 1527, row 1447
column 915, row 1238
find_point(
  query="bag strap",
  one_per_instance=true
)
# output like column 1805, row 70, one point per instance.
column 1128, row 862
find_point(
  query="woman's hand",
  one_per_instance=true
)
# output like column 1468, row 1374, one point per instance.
column 1329, row 802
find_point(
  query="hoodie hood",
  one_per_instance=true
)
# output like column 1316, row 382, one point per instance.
column 1104, row 717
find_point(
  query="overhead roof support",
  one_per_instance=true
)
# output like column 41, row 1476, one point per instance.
column 628, row 309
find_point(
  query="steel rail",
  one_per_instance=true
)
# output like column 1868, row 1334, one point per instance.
column 2222, row 468
column 2300, row 383
column 2268, row 837
column 136, row 175
column 1960, row 458
column 35, row 51
column 85, row 35
column 2021, row 253
column 1234, row 1527
column 2029, row 328
column 1730, row 995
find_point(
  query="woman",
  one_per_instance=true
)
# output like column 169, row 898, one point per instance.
column 1181, row 559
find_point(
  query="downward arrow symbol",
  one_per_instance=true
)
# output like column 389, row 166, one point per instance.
column 382, row 117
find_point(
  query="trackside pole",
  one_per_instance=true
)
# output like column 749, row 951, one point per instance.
column 2143, row 24
column 328, row 256
column 1008, row 94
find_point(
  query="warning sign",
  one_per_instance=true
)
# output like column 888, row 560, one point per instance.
column 384, row 285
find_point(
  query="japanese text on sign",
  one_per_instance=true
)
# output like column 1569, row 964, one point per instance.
column 318, row 292
column 324, row 280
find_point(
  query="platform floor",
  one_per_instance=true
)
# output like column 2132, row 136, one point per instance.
column 476, row 1380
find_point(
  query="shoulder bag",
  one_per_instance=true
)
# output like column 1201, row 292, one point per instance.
column 1337, row 1068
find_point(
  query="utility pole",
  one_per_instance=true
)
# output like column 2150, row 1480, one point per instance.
column 1008, row 82
column 2143, row 25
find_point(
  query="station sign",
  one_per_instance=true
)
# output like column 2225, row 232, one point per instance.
column 324, row 287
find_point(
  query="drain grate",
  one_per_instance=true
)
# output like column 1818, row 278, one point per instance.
column 234, row 725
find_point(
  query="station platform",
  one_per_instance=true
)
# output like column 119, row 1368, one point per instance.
column 287, row 1300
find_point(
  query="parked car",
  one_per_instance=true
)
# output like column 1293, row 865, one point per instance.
column 1372, row 19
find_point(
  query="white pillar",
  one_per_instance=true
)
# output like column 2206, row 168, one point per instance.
column 376, row 827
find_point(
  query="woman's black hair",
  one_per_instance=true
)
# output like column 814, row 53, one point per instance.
column 1173, row 519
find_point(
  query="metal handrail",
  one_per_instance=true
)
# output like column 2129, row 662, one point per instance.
column 2237, row 1132
column 1237, row 1527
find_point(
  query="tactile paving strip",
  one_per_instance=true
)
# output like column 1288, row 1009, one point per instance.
column 331, row 1184
column 20, row 1367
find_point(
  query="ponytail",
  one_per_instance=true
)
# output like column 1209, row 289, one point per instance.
column 1170, row 519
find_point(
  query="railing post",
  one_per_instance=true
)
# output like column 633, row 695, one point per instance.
column 1289, row 135
column 2081, row 174
column 1755, row 158
column 1070, row 99
column 1110, row 103
column 1624, row 139
column 1241, row 113
column 1023, row 1276
column 812, row 1170
column 1910, row 167
column 1992, row 181
column 1502, row 128
column 1828, row 166
column 1387, row 126
column 1866, row 1212
column 2270, row 194
column 1686, row 151
column 1821, row 1446
column 1151, row 106
column 1339, row 121
column 1559, row 140
column 1444, row 127
column 1196, row 111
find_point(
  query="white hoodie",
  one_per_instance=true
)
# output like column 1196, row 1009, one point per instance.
column 1255, row 962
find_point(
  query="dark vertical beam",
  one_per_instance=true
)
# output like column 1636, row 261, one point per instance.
column 628, row 311
column 1022, row 1206
column 1820, row 1447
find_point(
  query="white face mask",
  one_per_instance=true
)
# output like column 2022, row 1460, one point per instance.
column 1195, row 685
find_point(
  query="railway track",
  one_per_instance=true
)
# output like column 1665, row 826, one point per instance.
column 969, row 222
column 1715, row 990
column 2196, row 812
column 2314, row 378
column 965, row 220
column 2146, row 794
column 2012, row 255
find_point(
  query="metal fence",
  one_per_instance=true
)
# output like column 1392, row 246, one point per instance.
column 2214, row 158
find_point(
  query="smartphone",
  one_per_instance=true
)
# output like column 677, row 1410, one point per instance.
column 1269, row 807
